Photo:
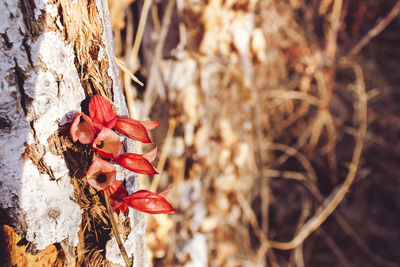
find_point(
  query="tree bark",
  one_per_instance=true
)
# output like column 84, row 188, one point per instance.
column 54, row 55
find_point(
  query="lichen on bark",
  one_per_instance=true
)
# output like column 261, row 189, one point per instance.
column 53, row 56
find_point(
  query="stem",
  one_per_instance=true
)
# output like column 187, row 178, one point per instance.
column 115, row 230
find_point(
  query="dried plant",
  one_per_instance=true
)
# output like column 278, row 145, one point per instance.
column 267, row 105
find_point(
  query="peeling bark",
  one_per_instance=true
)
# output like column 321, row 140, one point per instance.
column 53, row 55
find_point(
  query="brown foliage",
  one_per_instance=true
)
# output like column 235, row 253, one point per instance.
column 273, row 112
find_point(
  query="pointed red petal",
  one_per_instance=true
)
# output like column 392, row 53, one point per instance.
column 101, row 112
column 74, row 128
column 136, row 163
column 149, row 202
column 101, row 174
column 117, row 191
column 132, row 129
column 149, row 125
column 116, row 194
column 107, row 144
column 151, row 155
column 165, row 192
column 82, row 129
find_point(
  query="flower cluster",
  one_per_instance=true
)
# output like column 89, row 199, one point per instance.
column 97, row 130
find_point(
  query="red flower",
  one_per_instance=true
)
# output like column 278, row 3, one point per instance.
column 134, row 129
column 101, row 112
column 101, row 174
column 82, row 129
column 117, row 192
column 136, row 163
column 149, row 202
column 107, row 144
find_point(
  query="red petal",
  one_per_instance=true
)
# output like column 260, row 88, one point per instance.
column 165, row 192
column 149, row 125
column 82, row 129
column 136, row 163
column 101, row 112
column 101, row 167
column 107, row 144
column 116, row 194
column 132, row 129
column 151, row 155
column 149, row 202
column 117, row 191
column 121, row 206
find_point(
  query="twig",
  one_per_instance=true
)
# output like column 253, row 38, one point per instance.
column 334, row 18
column 129, row 91
column 115, row 230
column 123, row 67
column 132, row 55
column 297, row 258
column 130, row 25
column 156, row 19
column 380, row 26
column 164, row 153
column 295, row 95
column 139, row 33
column 339, row 218
column 361, row 243
column 272, row 173
column 336, row 197
column 251, row 217
column 154, row 80
column 293, row 152
column 301, row 141
column 335, row 248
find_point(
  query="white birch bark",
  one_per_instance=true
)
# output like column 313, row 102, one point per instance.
column 39, row 85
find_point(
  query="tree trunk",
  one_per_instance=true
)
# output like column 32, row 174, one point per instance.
column 53, row 56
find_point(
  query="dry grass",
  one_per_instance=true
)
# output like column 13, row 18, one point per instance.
column 265, row 107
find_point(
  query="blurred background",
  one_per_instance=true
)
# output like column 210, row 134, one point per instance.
column 279, row 131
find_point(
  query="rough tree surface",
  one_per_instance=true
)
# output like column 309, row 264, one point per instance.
column 53, row 54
